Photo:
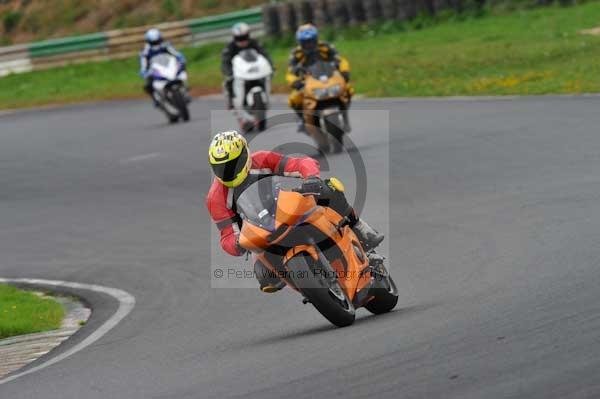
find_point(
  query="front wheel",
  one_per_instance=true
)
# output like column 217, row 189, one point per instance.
column 325, row 293
column 334, row 131
column 385, row 295
column 180, row 103
column 260, row 112
column 315, row 130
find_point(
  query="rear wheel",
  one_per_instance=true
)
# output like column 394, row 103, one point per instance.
column 322, row 290
column 385, row 295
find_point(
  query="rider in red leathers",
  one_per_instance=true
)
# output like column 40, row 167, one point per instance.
column 232, row 164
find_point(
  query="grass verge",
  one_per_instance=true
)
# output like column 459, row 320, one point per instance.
column 495, row 52
column 23, row 312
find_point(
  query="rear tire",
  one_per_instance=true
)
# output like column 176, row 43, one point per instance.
column 308, row 276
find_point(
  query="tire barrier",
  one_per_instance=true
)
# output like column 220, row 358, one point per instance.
column 343, row 13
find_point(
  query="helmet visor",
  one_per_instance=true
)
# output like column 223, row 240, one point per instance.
column 308, row 44
column 241, row 38
column 228, row 171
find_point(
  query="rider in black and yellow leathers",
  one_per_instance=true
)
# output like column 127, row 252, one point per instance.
column 310, row 49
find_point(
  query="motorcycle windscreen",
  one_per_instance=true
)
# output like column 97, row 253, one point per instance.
column 321, row 68
column 250, row 65
column 257, row 204
column 165, row 66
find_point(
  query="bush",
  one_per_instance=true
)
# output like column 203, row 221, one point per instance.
column 11, row 20
column 171, row 8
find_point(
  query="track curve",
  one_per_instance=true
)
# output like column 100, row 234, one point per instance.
column 495, row 224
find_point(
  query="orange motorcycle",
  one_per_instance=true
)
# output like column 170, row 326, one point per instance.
column 312, row 249
column 325, row 94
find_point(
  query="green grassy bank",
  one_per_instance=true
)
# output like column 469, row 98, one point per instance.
column 532, row 51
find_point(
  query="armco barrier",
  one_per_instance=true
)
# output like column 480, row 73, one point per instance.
column 120, row 43
column 14, row 59
column 46, row 48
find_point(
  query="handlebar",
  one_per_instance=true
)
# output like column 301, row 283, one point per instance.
column 313, row 187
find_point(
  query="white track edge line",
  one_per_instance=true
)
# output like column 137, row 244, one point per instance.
column 126, row 304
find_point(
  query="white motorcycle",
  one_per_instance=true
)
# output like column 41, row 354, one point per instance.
column 251, row 88
column 170, row 87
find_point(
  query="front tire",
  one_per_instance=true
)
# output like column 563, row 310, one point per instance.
column 335, row 132
column 260, row 112
column 181, row 104
column 385, row 295
column 331, row 301
column 316, row 132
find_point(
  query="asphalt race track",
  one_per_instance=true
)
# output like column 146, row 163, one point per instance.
column 493, row 212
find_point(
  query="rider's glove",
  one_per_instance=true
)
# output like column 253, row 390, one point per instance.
column 298, row 84
column 312, row 185
column 241, row 250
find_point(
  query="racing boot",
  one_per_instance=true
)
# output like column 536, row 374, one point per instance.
column 228, row 86
column 268, row 280
column 155, row 100
column 376, row 263
column 369, row 237
column 270, row 288
column 150, row 90
column 375, row 260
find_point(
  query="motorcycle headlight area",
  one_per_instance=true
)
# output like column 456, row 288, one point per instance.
column 333, row 91
column 321, row 93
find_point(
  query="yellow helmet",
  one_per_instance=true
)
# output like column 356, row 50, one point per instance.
column 229, row 157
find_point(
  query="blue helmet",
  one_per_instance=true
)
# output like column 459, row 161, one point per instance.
column 153, row 37
column 307, row 36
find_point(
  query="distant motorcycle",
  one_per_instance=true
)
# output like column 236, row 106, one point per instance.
column 170, row 87
column 251, row 88
column 325, row 93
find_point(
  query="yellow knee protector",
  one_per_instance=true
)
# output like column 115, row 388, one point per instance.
column 350, row 89
column 295, row 99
